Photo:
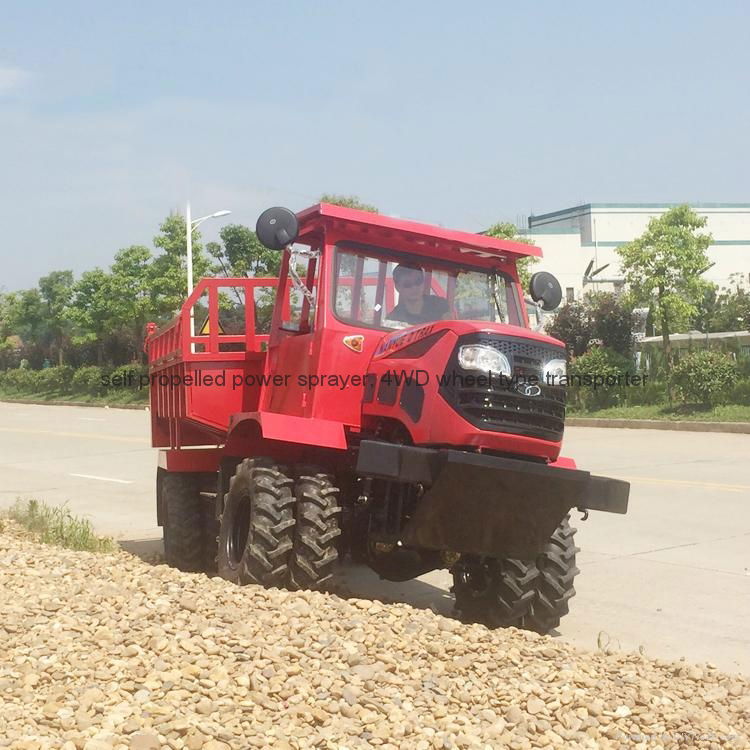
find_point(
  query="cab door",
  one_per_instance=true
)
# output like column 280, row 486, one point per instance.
column 292, row 345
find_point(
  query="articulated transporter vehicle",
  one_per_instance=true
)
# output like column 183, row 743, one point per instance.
column 384, row 398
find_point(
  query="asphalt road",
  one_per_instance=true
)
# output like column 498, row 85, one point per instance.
column 671, row 577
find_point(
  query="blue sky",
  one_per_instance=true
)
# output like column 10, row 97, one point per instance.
column 113, row 114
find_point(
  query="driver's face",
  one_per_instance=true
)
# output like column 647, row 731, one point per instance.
column 410, row 285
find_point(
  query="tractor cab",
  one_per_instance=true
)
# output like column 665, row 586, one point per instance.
column 387, row 273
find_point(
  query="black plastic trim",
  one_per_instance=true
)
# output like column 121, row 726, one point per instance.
column 405, row 463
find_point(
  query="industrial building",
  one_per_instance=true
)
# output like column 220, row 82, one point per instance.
column 573, row 237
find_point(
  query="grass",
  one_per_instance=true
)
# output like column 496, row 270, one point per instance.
column 123, row 396
column 685, row 413
column 57, row 525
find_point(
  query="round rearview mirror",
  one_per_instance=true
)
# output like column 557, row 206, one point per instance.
column 277, row 227
column 545, row 289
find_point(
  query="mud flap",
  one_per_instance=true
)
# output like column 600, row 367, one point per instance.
column 487, row 505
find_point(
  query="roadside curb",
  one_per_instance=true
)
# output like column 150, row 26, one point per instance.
column 40, row 402
column 660, row 424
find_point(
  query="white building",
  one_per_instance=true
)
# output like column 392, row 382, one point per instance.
column 573, row 237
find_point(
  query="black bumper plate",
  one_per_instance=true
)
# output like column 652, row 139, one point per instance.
column 487, row 505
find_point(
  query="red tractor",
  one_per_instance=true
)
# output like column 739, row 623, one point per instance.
column 384, row 398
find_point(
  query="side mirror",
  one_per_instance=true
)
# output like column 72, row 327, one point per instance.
column 545, row 289
column 276, row 228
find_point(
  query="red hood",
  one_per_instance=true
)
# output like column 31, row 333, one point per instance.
column 461, row 327
column 405, row 336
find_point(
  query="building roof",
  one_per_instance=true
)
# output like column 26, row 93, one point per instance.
column 585, row 208
column 697, row 336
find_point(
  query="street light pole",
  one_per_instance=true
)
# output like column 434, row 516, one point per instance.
column 189, row 238
column 191, row 225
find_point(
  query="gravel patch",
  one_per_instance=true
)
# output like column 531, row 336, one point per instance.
column 105, row 652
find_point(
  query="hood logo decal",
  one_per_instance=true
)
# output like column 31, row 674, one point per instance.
column 397, row 340
column 528, row 389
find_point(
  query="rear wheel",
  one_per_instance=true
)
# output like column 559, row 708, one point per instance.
column 257, row 525
column 315, row 536
column 187, row 529
column 532, row 595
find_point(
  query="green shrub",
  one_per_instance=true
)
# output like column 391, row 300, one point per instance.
column 88, row 381
column 704, row 377
column 21, row 380
column 598, row 365
column 743, row 366
column 128, row 374
column 653, row 391
column 55, row 379
column 740, row 392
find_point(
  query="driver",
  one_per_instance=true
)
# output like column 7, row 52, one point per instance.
column 414, row 306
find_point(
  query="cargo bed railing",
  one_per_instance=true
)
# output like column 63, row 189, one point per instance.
column 174, row 343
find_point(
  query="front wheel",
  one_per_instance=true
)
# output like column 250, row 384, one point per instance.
column 316, row 532
column 257, row 525
column 527, row 594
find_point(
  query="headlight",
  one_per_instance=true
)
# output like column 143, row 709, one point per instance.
column 554, row 371
column 484, row 358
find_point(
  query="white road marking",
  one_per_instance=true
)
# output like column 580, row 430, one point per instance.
column 85, row 435
column 102, row 479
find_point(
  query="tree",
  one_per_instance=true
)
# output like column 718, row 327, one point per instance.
column 707, row 308
column 573, row 326
column 348, row 201
column 26, row 316
column 240, row 253
column 663, row 268
column 599, row 316
column 92, row 310
column 726, row 309
column 507, row 231
column 168, row 271
column 111, row 309
column 57, row 291
column 135, row 303
column 7, row 301
column 11, row 342
column 612, row 318
column 732, row 311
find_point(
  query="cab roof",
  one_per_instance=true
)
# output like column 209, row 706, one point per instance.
column 427, row 239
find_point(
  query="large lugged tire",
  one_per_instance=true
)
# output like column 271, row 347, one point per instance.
column 186, row 543
column 554, row 585
column 532, row 595
column 497, row 593
column 315, row 534
column 257, row 525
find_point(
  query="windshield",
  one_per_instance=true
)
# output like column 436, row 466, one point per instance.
column 374, row 291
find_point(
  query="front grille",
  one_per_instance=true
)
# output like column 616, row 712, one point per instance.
column 500, row 407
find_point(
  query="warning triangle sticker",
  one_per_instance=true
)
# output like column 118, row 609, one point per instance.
column 205, row 329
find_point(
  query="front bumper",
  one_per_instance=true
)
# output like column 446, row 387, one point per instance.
column 487, row 505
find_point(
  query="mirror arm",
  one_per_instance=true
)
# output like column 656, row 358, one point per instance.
column 539, row 310
column 297, row 282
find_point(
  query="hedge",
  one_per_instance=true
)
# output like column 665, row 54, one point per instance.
column 66, row 382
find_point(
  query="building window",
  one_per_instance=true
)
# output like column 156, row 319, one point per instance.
column 570, row 294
